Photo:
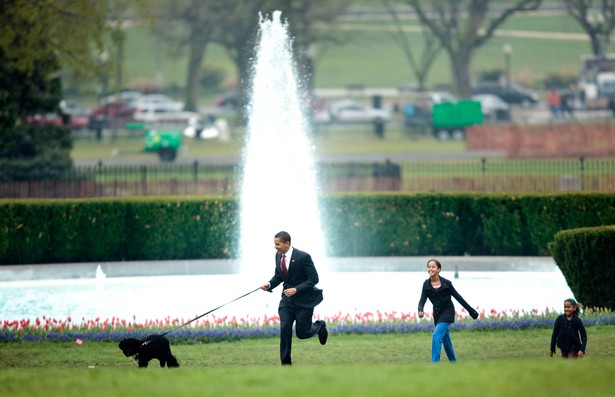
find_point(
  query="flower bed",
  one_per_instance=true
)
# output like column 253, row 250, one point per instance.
column 217, row 329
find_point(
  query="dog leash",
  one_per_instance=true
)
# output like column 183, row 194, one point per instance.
column 212, row 310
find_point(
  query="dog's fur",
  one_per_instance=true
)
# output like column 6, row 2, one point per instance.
column 152, row 346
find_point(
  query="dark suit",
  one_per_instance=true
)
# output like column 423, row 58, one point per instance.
column 302, row 275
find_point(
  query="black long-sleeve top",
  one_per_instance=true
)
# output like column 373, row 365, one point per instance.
column 443, row 308
column 569, row 334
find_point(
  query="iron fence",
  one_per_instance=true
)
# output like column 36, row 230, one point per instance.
column 477, row 175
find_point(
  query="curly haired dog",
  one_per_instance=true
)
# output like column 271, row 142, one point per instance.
column 152, row 346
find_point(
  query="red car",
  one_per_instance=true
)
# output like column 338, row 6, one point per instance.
column 110, row 113
column 74, row 122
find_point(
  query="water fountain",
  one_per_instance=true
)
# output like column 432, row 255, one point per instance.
column 279, row 190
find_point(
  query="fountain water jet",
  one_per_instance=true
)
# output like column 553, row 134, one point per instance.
column 279, row 189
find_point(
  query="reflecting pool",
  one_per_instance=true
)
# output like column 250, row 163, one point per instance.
column 185, row 289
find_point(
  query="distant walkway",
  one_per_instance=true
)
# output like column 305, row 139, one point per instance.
column 326, row 158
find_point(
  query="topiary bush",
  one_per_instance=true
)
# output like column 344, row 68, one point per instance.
column 585, row 256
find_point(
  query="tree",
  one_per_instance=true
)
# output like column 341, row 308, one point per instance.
column 309, row 24
column 307, row 21
column 462, row 26
column 431, row 48
column 597, row 18
column 188, row 24
column 194, row 24
column 28, row 150
column 38, row 38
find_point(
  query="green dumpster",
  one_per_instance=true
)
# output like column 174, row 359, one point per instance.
column 449, row 119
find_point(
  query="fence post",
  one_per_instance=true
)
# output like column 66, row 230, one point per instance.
column 483, row 170
column 98, row 181
column 144, row 180
column 195, row 176
column 582, row 164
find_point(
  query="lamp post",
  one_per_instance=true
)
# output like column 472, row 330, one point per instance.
column 103, row 58
column 507, row 49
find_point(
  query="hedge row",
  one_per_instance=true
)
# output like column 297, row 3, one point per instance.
column 585, row 256
column 57, row 231
column 52, row 231
column 458, row 224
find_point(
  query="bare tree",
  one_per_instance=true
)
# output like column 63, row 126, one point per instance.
column 462, row 26
column 597, row 18
column 431, row 47
column 188, row 24
column 194, row 24
column 308, row 21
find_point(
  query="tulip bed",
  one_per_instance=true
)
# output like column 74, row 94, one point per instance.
column 219, row 329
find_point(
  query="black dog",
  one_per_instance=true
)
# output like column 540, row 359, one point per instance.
column 148, row 348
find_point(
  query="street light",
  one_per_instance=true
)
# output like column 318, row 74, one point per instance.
column 101, row 120
column 507, row 49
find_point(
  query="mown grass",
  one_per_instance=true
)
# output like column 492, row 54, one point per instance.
column 344, row 141
column 371, row 57
column 497, row 363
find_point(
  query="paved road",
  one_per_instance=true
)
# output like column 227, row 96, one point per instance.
column 329, row 158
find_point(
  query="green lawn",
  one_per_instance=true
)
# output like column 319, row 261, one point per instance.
column 370, row 57
column 497, row 363
column 338, row 141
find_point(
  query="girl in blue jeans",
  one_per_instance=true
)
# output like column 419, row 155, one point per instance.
column 439, row 291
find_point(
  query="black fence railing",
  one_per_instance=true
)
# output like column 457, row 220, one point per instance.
column 476, row 175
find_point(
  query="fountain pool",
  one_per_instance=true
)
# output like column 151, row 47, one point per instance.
column 142, row 291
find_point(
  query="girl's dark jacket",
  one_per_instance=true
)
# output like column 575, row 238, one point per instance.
column 569, row 334
column 443, row 308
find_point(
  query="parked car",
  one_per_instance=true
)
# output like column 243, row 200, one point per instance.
column 73, row 109
column 126, row 96
column 432, row 97
column 110, row 114
column 79, row 115
column 72, row 122
column 163, row 116
column 349, row 111
column 158, row 101
column 515, row 94
column 228, row 100
column 493, row 107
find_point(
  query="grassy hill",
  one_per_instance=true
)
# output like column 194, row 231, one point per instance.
column 542, row 44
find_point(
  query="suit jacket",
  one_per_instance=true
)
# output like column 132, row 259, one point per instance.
column 302, row 275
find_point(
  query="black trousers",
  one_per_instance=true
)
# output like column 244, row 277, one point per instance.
column 305, row 328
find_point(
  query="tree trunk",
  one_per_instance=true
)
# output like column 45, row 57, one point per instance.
column 596, row 44
column 193, row 81
column 460, row 68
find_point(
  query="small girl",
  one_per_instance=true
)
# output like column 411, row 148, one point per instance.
column 439, row 291
column 568, row 332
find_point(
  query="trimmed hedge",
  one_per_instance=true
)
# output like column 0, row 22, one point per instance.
column 585, row 256
column 54, row 231
column 458, row 224
column 57, row 231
